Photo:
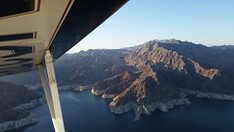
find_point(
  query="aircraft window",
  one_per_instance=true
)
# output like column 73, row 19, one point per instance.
column 13, row 7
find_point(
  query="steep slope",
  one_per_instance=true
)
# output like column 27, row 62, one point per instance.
column 111, row 87
column 85, row 68
column 196, row 72
column 166, row 68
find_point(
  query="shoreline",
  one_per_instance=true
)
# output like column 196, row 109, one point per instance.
column 148, row 108
column 30, row 119
column 81, row 88
column 97, row 92
column 200, row 94
column 102, row 94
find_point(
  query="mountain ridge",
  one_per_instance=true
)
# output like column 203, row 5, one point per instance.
column 155, row 75
column 163, row 65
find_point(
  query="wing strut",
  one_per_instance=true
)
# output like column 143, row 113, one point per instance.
column 51, row 91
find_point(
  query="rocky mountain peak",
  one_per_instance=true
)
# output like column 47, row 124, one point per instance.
column 167, row 41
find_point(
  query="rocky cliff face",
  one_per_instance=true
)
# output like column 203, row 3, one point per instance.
column 187, row 62
column 114, row 85
column 164, row 68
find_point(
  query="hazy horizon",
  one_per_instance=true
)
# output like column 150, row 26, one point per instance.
column 78, row 50
column 208, row 22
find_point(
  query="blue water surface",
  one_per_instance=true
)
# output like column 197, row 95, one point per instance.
column 84, row 112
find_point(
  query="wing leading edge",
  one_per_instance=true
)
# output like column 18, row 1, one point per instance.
column 39, row 25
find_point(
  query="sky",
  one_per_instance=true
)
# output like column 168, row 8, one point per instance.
column 208, row 22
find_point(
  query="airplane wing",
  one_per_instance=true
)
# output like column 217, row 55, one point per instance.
column 30, row 27
column 34, row 33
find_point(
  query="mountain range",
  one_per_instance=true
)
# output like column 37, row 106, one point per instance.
column 155, row 75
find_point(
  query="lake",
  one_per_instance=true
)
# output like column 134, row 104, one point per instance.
column 84, row 112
